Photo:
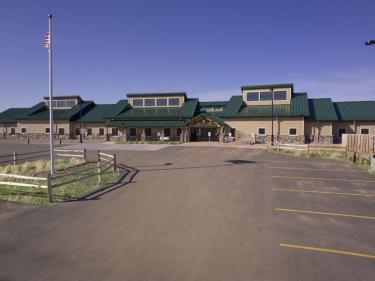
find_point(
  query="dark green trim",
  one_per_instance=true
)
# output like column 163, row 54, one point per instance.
column 267, row 86
column 166, row 94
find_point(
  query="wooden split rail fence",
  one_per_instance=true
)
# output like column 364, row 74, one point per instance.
column 105, row 162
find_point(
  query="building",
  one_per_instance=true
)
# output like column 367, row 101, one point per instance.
column 254, row 114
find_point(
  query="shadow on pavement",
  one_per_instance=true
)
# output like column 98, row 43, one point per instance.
column 127, row 176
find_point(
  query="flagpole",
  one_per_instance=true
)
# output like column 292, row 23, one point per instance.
column 51, row 127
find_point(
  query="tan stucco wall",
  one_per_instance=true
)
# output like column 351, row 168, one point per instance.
column 353, row 127
column 39, row 126
column 246, row 126
column 312, row 128
column 287, row 101
column 154, row 131
column 349, row 126
column 5, row 128
column 94, row 127
column 369, row 125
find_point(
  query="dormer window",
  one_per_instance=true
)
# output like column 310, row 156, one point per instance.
column 138, row 102
column 62, row 103
column 174, row 101
column 280, row 95
column 253, row 96
column 266, row 96
column 149, row 102
column 161, row 102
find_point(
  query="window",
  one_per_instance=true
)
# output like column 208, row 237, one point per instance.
column 265, row 96
column 292, row 131
column 149, row 102
column 167, row 132
column 23, row 130
column 280, row 95
column 213, row 109
column 47, row 130
column 114, row 131
column 78, row 131
column 138, row 102
column 253, row 96
column 161, row 102
column 70, row 103
column 179, row 131
column 174, row 101
column 342, row 131
column 365, row 131
column 101, row 131
column 133, row 132
column 89, row 132
column 12, row 131
column 54, row 104
column 60, row 103
column 262, row 131
column 148, row 132
column 61, row 131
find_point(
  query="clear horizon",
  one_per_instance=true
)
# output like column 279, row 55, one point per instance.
column 209, row 49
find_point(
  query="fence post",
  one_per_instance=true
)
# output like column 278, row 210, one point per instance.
column 114, row 163
column 98, row 156
column 49, row 188
column 14, row 158
column 99, row 172
column 84, row 155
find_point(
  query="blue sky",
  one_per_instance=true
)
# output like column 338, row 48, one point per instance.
column 105, row 49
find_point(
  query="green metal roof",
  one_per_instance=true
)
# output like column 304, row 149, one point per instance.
column 187, row 110
column 12, row 114
column 355, row 110
column 212, row 117
column 322, row 110
column 147, row 123
column 60, row 114
column 171, row 94
column 267, row 86
column 297, row 107
column 102, row 112
column 233, row 107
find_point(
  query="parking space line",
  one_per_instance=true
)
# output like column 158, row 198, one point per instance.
column 314, row 169
column 323, row 192
column 308, row 162
column 324, row 250
column 324, row 213
column 326, row 179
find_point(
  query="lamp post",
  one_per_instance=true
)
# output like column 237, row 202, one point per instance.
column 272, row 117
column 80, row 122
column 370, row 42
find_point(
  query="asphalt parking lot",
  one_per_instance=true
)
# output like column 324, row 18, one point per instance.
column 202, row 213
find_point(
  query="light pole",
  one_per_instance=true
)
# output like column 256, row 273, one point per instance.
column 80, row 122
column 272, row 114
column 370, row 42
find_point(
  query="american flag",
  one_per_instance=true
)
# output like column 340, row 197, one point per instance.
column 47, row 40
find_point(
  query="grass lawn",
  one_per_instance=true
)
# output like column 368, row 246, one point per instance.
column 38, row 196
column 363, row 164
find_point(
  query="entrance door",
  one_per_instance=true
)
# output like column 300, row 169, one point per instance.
column 204, row 134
